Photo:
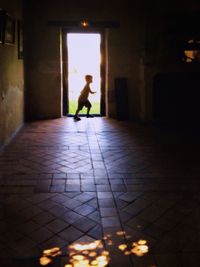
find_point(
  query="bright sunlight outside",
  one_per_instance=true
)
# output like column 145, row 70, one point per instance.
column 83, row 58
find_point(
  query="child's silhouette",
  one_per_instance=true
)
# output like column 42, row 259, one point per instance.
column 83, row 98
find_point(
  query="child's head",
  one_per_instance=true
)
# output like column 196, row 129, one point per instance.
column 88, row 78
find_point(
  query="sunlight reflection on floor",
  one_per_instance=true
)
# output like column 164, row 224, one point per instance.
column 93, row 254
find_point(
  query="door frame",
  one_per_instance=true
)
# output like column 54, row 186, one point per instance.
column 65, row 98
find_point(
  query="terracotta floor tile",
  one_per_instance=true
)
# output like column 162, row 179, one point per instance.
column 116, row 181
column 71, row 234
column 56, row 226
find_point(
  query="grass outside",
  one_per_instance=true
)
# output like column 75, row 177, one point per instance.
column 95, row 109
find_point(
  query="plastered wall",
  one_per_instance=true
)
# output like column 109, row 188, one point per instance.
column 136, row 50
column 11, row 81
column 161, row 49
column 43, row 70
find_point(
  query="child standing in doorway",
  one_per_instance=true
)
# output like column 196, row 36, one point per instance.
column 83, row 98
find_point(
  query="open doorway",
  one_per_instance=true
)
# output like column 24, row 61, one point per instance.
column 84, row 56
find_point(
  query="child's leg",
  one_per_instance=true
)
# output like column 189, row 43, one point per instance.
column 79, row 107
column 88, row 109
column 77, row 111
column 76, row 115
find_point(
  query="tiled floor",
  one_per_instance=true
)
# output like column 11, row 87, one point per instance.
column 64, row 182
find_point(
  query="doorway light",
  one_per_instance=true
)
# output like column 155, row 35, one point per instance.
column 83, row 58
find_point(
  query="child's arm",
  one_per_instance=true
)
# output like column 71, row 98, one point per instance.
column 92, row 92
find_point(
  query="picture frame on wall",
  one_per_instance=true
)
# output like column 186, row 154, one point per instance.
column 20, row 39
column 1, row 26
column 9, row 34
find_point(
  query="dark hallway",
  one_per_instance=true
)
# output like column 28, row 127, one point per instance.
column 63, row 182
column 117, row 191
